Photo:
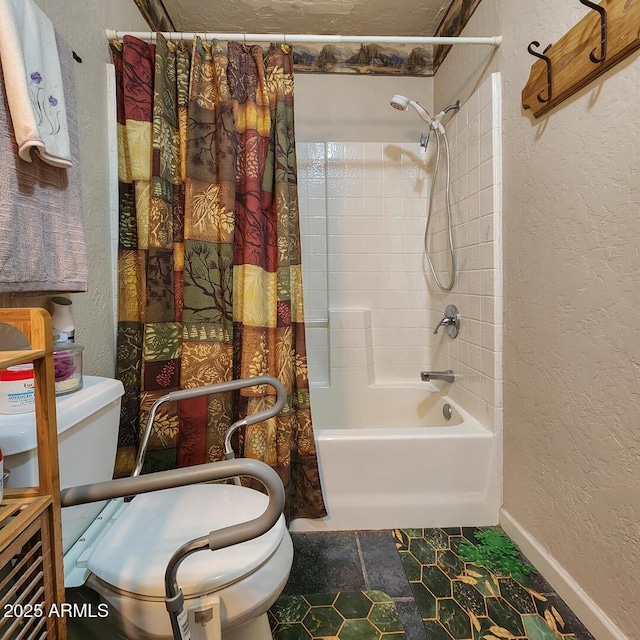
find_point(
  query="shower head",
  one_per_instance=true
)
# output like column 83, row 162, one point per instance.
column 402, row 103
column 399, row 102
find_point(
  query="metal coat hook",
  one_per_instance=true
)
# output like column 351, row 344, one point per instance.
column 549, row 71
column 603, row 31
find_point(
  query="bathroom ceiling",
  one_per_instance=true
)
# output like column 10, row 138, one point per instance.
column 343, row 17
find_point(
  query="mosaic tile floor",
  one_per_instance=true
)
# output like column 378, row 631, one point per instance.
column 349, row 615
column 462, row 601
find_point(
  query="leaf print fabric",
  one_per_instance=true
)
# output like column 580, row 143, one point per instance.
column 210, row 284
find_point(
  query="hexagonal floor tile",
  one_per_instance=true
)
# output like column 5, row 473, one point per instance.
column 359, row 630
column 384, row 616
column 354, row 604
column 290, row 632
column 323, row 621
column 454, row 619
column 465, row 601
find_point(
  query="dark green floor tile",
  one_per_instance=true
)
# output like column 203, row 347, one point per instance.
column 468, row 597
column 425, row 600
column 437, row 538
column 436, row 631
column 411, row 566
column 449, row 563
column 454, row 619
column 319, row 599
column 452, row 531
column 353, row 604
column 455, row 542
column 414, row 533
column 385, row 617
column 323, row 621
column 505, row 616
column 358, row 630
column 516, row 595
column 398, row 635
column 291, row 632
column 401, row 539
column 423, row 551
column 379, row 596
column 538, row 629
column 485, row 625
column 436, row 581
column 486, row 582
column 470, row 534
column 290, row 609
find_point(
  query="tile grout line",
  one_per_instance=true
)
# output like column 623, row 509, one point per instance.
column 367, row 583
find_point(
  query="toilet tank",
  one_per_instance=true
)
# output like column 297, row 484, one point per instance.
column 87, row 423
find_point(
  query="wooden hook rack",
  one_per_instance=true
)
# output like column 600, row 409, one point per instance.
column 604, row 37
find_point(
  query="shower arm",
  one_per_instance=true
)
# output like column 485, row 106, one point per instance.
column 220, row 387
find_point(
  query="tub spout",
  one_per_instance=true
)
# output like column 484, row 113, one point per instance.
column 428, row 376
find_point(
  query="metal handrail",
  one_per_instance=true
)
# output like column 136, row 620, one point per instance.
column 220, row 387
column 220, row 539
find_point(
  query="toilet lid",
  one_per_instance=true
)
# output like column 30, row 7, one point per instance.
column 134, row 553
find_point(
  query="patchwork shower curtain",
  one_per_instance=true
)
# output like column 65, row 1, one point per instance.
column 210, row 281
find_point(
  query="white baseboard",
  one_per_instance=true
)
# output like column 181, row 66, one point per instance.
column 589, row 613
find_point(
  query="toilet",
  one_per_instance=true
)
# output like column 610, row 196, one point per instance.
column 121, row 549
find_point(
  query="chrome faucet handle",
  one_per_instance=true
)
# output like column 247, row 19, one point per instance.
column 450, row 321
column 444, row 322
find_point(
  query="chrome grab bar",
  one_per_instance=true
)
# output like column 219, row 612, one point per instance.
column 220, row 539
column 220, row 387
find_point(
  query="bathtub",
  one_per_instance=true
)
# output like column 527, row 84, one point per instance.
column 388, row 458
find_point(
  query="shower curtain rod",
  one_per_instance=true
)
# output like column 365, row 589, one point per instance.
column 301, row 38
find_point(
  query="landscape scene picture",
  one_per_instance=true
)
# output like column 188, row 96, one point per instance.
column 364, row 59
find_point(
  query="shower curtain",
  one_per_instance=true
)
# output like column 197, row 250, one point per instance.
column 210, row 280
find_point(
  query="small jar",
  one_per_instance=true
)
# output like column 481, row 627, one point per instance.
column 16, row 389
column 67, row 368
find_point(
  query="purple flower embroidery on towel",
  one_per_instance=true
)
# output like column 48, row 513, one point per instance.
column 41, row 109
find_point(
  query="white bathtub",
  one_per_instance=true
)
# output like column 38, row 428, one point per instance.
column 388, row 458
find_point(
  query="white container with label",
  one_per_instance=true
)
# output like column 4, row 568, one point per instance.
column 16, row 389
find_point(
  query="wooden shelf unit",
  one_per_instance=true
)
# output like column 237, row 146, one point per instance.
column 31, row 569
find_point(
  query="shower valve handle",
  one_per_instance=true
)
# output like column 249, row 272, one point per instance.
column 444, row 322
column 450, row 321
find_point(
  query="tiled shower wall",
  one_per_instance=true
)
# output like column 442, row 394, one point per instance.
column 362, row 211
column 476, row 355
column 370, row 308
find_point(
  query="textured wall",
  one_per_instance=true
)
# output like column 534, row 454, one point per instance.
column 356, row 108
column 572, row 310
column 82, row 24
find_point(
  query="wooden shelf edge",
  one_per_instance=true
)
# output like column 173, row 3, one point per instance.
column 32, row 509
column 11, row 358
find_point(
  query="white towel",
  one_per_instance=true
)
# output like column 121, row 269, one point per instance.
column 33, row 82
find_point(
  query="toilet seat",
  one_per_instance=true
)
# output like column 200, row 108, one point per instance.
column 133, row 555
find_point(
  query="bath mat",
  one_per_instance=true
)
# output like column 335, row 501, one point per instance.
column 462, row 600
column 347, row 615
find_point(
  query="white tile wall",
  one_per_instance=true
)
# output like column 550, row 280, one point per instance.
column 370, row 307
column 476, row 355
